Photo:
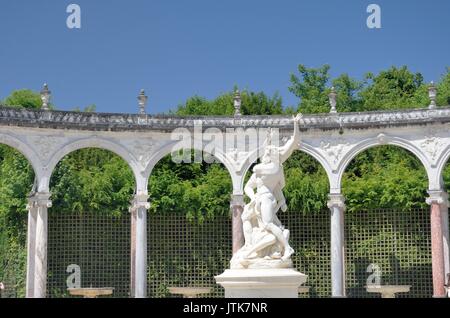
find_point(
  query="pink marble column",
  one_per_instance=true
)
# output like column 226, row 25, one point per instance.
column 133, row 213
column 446, row 234
column 32, row 208
column 437, row 244
column 237, row 206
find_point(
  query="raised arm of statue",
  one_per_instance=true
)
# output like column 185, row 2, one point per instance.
column 292, row 144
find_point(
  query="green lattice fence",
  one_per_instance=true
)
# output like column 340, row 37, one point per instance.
column 397, row 242
column 185, row 254
column 99, row 244
column 12, row 262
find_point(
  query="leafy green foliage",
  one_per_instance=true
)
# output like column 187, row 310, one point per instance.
column 200, row 191
column 347, row 90
column 306, row 184
column 24, row 98
column 443, row 89
column 15, row 184
column 385, row 177
column 252, row 104
column 92, row 180
column 311, row 88
column 394, row 89
column 87, row 109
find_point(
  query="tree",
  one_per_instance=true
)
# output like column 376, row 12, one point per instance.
column 394, row 88
column 307, row 185
column 347, row 90
column 24, row 98
column 385, row 177
column 92, row 180
column 260, row 104
column 88, row 109
column 199, row 191
column 252, row 104
column 311, row 88
column 443, row 89
column 16, row 182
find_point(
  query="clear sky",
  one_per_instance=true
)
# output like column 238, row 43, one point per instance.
column 178, row 48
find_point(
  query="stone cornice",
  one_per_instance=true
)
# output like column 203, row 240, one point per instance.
column 135, row 122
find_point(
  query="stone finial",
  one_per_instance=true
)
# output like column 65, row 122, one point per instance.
column 332, row 97
column 45, row 97
column 432, row 95
column 143, row 99
column 237, row 103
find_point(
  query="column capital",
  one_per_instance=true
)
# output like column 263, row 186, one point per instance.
column 437, row 197
column 139, row 201
column 336, row 200
column 237, row 199
column 39, row 200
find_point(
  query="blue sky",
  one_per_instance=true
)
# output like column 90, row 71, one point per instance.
column 177, row 48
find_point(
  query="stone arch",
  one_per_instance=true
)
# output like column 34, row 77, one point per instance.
column 436, row 182
column 306, row 148
column 17, row 273
column 25, row 150
column 167, row 150
column 381, row 141
column 376, row 233
column 95, row 143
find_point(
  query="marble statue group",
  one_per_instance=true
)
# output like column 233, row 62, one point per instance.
column 266, row 239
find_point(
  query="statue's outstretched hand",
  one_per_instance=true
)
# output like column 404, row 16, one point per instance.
column 297, row 118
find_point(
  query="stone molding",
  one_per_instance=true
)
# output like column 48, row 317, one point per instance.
column 39, row 200
column 132, row 122
column 437, row 197
column 140, row 201
column 336, row 200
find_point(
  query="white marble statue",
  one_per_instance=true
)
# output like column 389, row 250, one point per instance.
column 266, row 239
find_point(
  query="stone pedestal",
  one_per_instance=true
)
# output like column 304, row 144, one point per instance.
column 261, row 283
column 388, row 291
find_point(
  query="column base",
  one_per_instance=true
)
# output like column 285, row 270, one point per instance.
column 261, row 283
